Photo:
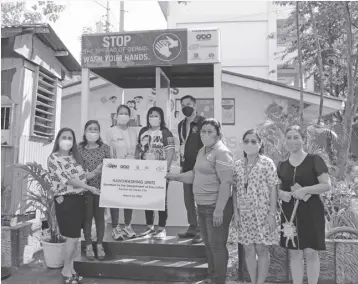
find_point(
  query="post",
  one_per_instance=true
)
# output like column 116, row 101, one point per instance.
column 162, row 96
column 107, row 18
column 217, row 92
column 121, row 17
column 84, row 95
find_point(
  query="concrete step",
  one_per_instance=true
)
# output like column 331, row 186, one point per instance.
column 172, row 246
column 150, row 268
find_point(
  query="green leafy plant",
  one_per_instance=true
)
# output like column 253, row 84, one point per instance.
column 320, row 138
column 40, row 195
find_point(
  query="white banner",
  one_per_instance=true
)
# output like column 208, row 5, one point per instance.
column 133, row 184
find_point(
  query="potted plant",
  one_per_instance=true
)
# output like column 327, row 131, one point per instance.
column 40, row 195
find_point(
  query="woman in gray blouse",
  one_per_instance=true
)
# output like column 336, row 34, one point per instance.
column 211, row 178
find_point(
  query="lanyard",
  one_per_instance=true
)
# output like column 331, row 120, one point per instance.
column 130, row 144
column 247, row 172
column 187, row 131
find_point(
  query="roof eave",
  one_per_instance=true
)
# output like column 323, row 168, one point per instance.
column 49, row 37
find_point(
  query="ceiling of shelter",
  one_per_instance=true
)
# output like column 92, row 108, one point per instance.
column 180, row 76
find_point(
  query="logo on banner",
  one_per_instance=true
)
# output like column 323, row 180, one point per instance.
column 203, row 36
column 160, row 169
column 124, row 167
column 111, row 166
column 167, row 47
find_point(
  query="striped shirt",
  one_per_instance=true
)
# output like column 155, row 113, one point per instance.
column 211, row 170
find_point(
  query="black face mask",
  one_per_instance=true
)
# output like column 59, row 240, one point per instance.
column 187, row 110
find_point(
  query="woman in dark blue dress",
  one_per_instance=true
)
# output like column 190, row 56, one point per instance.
column 304, row 177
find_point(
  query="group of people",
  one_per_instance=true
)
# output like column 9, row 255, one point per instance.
column 216, row 189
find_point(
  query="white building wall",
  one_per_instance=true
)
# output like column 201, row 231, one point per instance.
column 245, row 28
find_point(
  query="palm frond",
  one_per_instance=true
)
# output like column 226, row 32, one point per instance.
column 40, row 194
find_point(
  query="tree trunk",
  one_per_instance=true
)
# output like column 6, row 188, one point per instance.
column 320, row 63
column 349, row 107
column 300, row 75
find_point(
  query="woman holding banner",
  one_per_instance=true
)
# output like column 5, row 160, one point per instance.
column 69, row 184
column 93, row 151
column 123, row 139
column 211, row 178
column 156, row 142
column 304, row 177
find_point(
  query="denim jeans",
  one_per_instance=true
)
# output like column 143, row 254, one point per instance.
column 115, row 216
column 92, row 209
column 191, row 208
column 215, row 239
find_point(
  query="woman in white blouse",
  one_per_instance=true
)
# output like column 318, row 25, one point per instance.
column 122, row 138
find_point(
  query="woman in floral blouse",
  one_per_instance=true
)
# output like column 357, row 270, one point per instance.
column 69, row 184
column 255, row 188
column 93, row 151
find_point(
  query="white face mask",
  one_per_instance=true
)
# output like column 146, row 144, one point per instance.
column 92, row 136
column 122, row 119
column 154, row 121
column 250, row 149
column 208, row 141
column 65, row 145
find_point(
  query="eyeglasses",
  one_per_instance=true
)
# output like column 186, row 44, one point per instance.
column 253, row 142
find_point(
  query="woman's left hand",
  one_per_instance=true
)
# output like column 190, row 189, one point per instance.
column 218, row 218
column 299, row 193
column 271, row 220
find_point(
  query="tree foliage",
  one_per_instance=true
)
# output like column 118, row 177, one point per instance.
column 330, row 26
column 17, row 13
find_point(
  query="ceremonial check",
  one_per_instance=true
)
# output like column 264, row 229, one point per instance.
column 133, row 184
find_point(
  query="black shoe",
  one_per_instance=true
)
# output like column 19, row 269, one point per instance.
column 187, row 235
column 196, row 240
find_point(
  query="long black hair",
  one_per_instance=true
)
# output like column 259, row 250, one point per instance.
column 73, row 151
column 85, row 141
column 254, row 132
column 161, row 114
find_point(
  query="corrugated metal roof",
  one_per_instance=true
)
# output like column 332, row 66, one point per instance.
column 48, row 36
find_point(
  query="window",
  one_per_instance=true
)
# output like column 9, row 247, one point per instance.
column 43, row 124
column 5, row 125
column 5, row 118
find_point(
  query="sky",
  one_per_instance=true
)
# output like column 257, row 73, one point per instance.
column 139, row 15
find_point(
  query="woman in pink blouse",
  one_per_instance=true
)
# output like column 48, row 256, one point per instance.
column 69, row 184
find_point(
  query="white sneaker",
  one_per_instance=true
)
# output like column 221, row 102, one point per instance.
column 118, row 233
column 160, row 234
column 129, row 233
column 149, row 230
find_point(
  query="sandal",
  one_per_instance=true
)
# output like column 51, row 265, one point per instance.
column 71, row 280
column 100, row 252
column 78, row 277
column 89, row 252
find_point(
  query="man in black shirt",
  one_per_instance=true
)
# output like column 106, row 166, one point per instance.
column 190, row 144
